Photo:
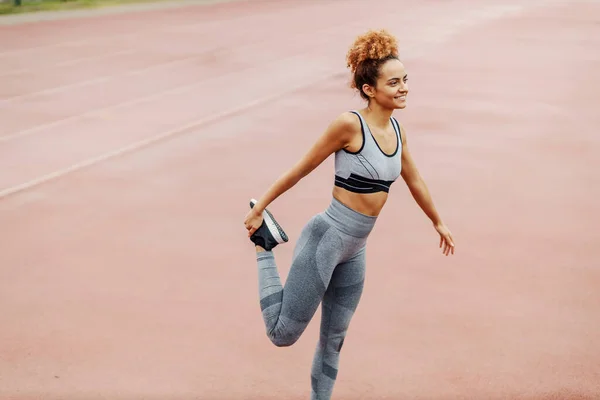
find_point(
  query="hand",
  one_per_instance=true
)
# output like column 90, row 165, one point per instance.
column 445, row 238
column 253, row 221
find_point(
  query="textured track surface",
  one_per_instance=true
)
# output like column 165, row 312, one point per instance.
column 131, row 143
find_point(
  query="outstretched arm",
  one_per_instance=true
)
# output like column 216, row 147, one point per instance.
column 337, row 136
column 421, row 194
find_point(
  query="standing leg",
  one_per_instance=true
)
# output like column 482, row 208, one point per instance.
column 288, row 310
column 339, row 304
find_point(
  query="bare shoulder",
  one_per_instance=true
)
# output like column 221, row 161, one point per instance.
column 337, row 136
column 346, row 122
column 344, row 129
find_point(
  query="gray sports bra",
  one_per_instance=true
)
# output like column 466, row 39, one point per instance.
column 368, row 170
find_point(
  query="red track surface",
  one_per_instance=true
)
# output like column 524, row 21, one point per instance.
column 130, row 145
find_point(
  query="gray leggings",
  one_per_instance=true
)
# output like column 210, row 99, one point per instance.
column 329, row 266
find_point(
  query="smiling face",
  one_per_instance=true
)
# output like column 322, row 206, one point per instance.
column 391, row 87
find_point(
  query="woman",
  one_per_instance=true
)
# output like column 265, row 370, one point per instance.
column 328, row 264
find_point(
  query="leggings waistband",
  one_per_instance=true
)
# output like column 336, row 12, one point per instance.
column 349, row 221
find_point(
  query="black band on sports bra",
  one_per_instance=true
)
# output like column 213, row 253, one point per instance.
column 360, row 184
column 396, row 126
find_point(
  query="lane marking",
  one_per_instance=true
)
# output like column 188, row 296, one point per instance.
column 186, row 87
column 70, row 62
column 151, row 140
column 445, row 32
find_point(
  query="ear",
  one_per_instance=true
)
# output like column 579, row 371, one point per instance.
column 368, row 90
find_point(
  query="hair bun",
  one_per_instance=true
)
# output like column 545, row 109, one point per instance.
column 373, row 45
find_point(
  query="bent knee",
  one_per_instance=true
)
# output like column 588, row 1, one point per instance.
column 283, row 339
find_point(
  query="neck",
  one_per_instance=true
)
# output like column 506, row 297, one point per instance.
column 380, row 117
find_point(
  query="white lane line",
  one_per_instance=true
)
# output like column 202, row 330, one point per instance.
column 100, row 79
column 186, row 87
column 106, row 78
column 204, row 24
column 151, row 140
column 42, row 16
column 67, row 63
column 437, row 35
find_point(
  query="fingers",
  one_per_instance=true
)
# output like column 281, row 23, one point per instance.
column 450, row 242
column 251, row 231
column 251, row 226
column 448, row 245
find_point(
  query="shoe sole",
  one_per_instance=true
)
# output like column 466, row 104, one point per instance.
column 275, row 229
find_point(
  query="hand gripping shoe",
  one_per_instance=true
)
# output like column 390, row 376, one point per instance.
column 269, row 234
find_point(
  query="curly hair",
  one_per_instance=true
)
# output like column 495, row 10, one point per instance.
column 368, row 53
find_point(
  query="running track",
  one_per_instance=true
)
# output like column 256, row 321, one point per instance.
column 130, row 145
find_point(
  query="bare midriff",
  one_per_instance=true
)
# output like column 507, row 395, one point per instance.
column 365, row 203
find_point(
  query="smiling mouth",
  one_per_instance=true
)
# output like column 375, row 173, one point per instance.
column 403, row 97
